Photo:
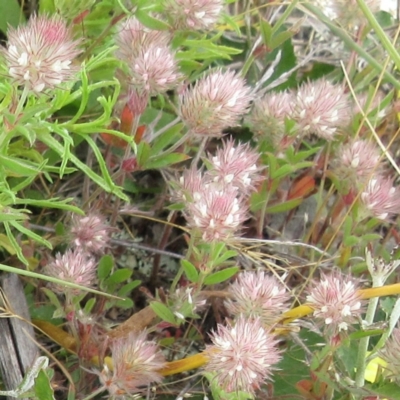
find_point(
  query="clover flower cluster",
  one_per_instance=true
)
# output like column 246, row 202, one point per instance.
column 317, row 107
column 89, row 236
column 40, row 54
column 258, row 295
column 216, row 101
column 243, row 355
column 358, row 164
column 390, row 353
column 336, row 302
column 215, row 200
column 152, row 67
column 193, row 14
column 136, row 362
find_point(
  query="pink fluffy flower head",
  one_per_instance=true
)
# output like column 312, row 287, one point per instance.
column 136, row 363
column 39, row 55
column 154, row 70
column 90, row 233
column 133, row 37
column 242, row 356
column 358, row 160
column 380, row 198
column 217, row 214
column 258, row 295
column 215, row 102
column 73, row 266
column 390, row 354
column 336, row 301
column 321, row 108
column 193, row 14
column 267, row 118
column 235, row 165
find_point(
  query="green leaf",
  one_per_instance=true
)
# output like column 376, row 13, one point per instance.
column 190, row 271
column 151, row 22
column 127, row 289
column 20, row 167
column 89, row 305
column 122, row 275
column 286, row 206
column 165, row 160
column 163, row 312
column 143, row 153
column 43, row 389
column 164, row 140
column 104, row 269
column 221, row 276
column 10, row 14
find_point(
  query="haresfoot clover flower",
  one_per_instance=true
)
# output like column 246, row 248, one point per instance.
column 390, row 353
column 39, row 55
column 380, row 198
column 358, row 160
column 90, row 233
column 193, row 14
column 321, row 108
column 336, row 301
column 242, row 356
column 214, row 102
column 258, row 295
column 236, row 165
column 136, row 363
column 73, row 266
column 217, row 213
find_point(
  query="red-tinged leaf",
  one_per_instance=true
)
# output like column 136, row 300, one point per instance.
column 127, row 118
column 78, row 19
column 139, row 133
column 302, row 188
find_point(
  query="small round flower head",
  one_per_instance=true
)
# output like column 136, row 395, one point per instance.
column 390, row 354
column 336, row 301
column 189, row 186
column 154, row 70
column 39, row 54
column 133, row 37
column 136, row 363
column 90, row 233
column 193, row 14
column 185, row 302
column 235, row 165
column 73, row 266
column 380, row 198
column 217, row 214
column 350, row 14
column 255, row 294
column 215, row 102
column 321, row 108
column 242, row 356
column 358, row 160
column 267, row 118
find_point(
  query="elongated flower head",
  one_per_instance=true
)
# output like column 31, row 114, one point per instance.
column 154, row 70
column 73, row 266
column 336, row 301
column 258, row 295
column 242, row 356
column 39, row 55
column 380, row 198
column 136, row 364
column 358, row 160
column 390, row 354
column 217, row 214
column 133, row 37
column 321, row 108
column 90, row 233
column 215, row 102
column 235, row 165
column 193, row 14
column 267, row 117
